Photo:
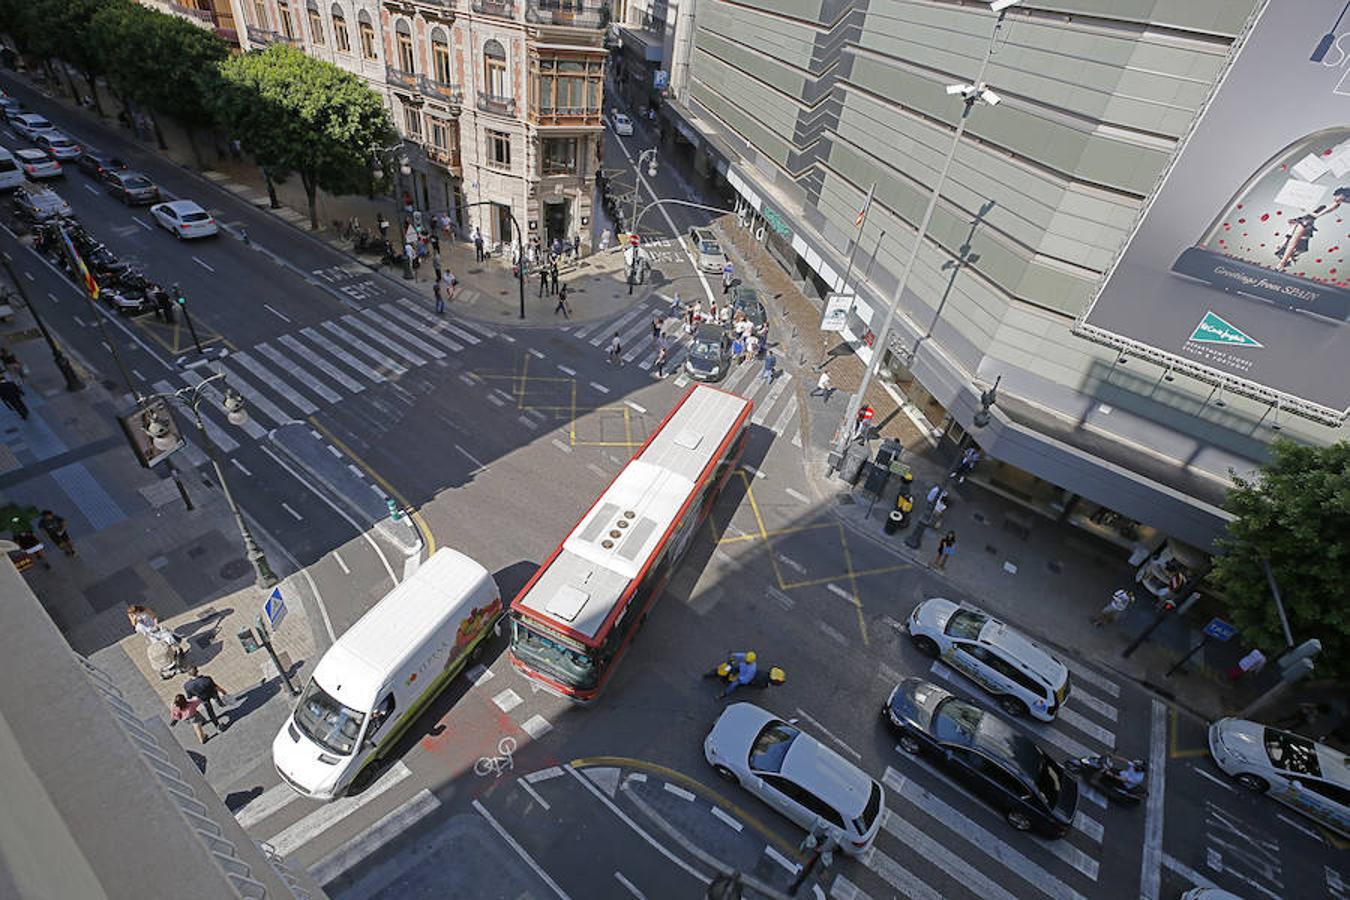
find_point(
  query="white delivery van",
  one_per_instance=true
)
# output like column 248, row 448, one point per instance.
column 378, row 676
column 11, row 176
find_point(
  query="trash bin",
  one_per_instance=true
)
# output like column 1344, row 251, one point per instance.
column 894, row 522
column 851, row 466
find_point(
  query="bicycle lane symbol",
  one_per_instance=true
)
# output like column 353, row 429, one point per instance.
column 500, row 764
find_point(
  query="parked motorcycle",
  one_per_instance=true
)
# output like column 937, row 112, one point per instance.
column 1102, row 772
column 130, row 293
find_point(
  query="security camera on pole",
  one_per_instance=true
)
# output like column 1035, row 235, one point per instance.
column 971, row 95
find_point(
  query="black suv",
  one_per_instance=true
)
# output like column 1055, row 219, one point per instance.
column 746, row 300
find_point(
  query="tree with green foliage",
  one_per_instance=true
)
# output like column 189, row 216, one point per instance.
column 63, row 27
column 294, row 113
column 1295, row 515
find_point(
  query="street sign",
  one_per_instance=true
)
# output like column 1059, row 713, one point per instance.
column 1220, row 630
column 274, row 609
column 867, row 413
column 633, row 239
column 837, row 307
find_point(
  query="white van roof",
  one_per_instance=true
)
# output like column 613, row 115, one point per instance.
column 358, row 664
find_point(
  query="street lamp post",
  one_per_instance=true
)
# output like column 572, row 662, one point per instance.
column 191, row 398
column 520, row 240
column 404, row 170
column 651, row 173
column 73, row 382
column 971, row 94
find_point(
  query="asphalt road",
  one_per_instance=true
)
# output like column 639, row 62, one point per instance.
column 502, row 436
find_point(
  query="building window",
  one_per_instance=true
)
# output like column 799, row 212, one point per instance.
column 440, row 137
column 569, row 86
column 494, row 69
column 412, row 121
column 367, row 32
column 403, row 39
column 560, row 156
column 260, row 13
column 315, row 24
column 440, row 57
column 499, row 149
column 340, row 36
column 287, row 26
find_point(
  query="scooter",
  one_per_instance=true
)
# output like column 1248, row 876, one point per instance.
column 1099, row 771
column 765, row 676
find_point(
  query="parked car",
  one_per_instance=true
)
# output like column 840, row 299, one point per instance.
column 95, row 163
column 30, row 125
column 10, row 107
column 621, row 124
column 707, row 250
column 1021, row 674
column 987, row 755
column 58, row 145
column 11, row 175
column 797, row 775
column 130, row 187
column 39, row 204
column 184, row 219
column 38, row 164
column 709, row 353
column 1309, row 777
column 746, row 300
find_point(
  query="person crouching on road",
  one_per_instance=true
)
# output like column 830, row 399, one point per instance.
column 742, row 670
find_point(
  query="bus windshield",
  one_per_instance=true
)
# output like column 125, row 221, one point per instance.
column 571, row 667
column 327, row 722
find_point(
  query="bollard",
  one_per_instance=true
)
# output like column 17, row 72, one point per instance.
column 395, row 513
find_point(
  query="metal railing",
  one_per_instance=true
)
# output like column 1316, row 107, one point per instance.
column 502, row 106
column 504, row 8
column 566, row 115
column 440, row 90
column 258, row 35
column 445, row 156
column 567, row 14
column 400, row 77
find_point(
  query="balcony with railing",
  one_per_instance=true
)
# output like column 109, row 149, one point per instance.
column 573, row 116
column 400, row 78
column 263, row 37
column 501, row 106
column 567, row 13
column 452, row 94
column 504, row 8
column 446, row 157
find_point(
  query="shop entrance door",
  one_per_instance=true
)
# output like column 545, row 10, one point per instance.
column 556, row 221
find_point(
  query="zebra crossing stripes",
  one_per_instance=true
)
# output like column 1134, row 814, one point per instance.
column 251, row 427
column 393, row 328
column 214, row 433
column 378, row 337
column 789, row 413
column 439, row 324
column 775, row 390
column 607, row 330
column 362, row 347
column 269, row 378
column 364, row 368
column 257, row 403
column 302, row 350
column 939, row 854
column 285, row 362
column 428, row 330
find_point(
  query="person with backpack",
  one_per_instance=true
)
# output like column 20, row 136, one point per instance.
column 615, row 349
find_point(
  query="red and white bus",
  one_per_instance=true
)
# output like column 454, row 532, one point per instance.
column 575, row 618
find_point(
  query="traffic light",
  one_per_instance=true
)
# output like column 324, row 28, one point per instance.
column 178, row 295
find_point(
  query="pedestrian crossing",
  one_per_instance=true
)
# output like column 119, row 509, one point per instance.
column 939, row 840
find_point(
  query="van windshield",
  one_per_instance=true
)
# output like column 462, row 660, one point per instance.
column 327, row 722
column 571, row 667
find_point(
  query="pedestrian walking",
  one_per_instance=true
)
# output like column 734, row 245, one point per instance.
column 770, row 361
column 562, row 303
column 752, row 347
column 436, row 245
column 662, row 354
column 55, row 527
column 727, row 272
column 823, row 387
column 204, row 688
column 656, row 328
column 382, row 226
column 1253, row 662
column 12, row 396
column 31, row 546
column 557, row 247
column 946, row 547
column 478, row 244
column 576, row 246
column 675, row 304
column 409, row 255
column 738, row 351
column 13, row 368
column 451, row 286
column 553, row 276
column 632, row 279
column 604, row 240
column 185, row 710
column 436, row 266
column 615, row 348
column 1121, row 600
column 440, row 298
column 939, row 510
column 969, row 458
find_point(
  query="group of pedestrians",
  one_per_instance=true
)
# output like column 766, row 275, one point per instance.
column 200, row 695
column 33, row 547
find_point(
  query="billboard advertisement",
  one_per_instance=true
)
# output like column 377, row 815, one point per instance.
column 1241, row 264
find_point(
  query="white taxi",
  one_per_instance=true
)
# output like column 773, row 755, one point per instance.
column 1297, row 771
column 1021, row 674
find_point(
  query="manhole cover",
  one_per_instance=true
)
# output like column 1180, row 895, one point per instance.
column 235, row 568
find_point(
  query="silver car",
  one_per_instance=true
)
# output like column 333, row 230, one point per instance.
column 1297, row 771
column 38, row 204
column 796, row 775
column 37, row 164
column 58, row 145
column 30, row 125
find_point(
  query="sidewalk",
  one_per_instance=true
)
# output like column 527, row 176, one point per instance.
column 1048, row 577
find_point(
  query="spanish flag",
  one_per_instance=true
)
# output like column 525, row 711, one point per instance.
column 81, row 270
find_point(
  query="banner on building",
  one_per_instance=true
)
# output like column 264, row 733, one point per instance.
column 1241, row 263
column 837, row 308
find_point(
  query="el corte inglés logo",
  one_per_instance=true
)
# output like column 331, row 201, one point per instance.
column 1214, row 330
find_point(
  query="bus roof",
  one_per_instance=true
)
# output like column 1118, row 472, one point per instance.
column 583, row 582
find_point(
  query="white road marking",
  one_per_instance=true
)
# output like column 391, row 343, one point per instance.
column 1082, row 673
column 839, row 592
column 342, row 564
column 282, row 316
column 727, row 820
column 937, row 853
column 240, row 466
column 792, row 564
column 1040, row 729
column 829, row 734
column 753, row 471
column 1301, row 827
column 54, row 298
column 325, row 817
column 199, row 262
column 389, row 827
column 380, row 338
column 495, row 400
column 1105, row 710
column 525, row 786
column 544, row 774
column 1092, row 794
column 632, row 888
column 363, row 348
column 527, row 422
column 253, row 367
column 536, row 726
column 482, row 467
column 567, row 371
column 520, row 851
column 677, row 791
column 597, row 470
column 832, row 632
column 93, row 190
column 507, row 700
column 1150, row 869
column 894, row 874
column 599, row 387
column 265, row 804
column 479, row 674
column 285, row 362
column 364, row 368
column 335, row 451
column 29, row 276
column 142, row 224
column 1214, row 778
column 286, row 506
column 797, row 495
column 782, row 860
column 561, row 446
column 429, row 329
column 397, row 329
column 536, row 354
column 632, row 405
column 290, row 342
column 1091, row 729
column 1089, row 826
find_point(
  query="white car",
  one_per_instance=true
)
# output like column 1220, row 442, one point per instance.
column 796, row 775
column 30, row 125
column 58, row 145
column 185, row 219
column 1297, row 771
column 36, row 164
column 621, row 124
column 1021, row 674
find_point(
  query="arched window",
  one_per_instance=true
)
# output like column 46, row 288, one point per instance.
column 340, row 36
column 403, row 41
column 260, row 14
column 440, row 56
column 315, row 23
column 367, row 31
column 287, row 26
column 494, row 69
